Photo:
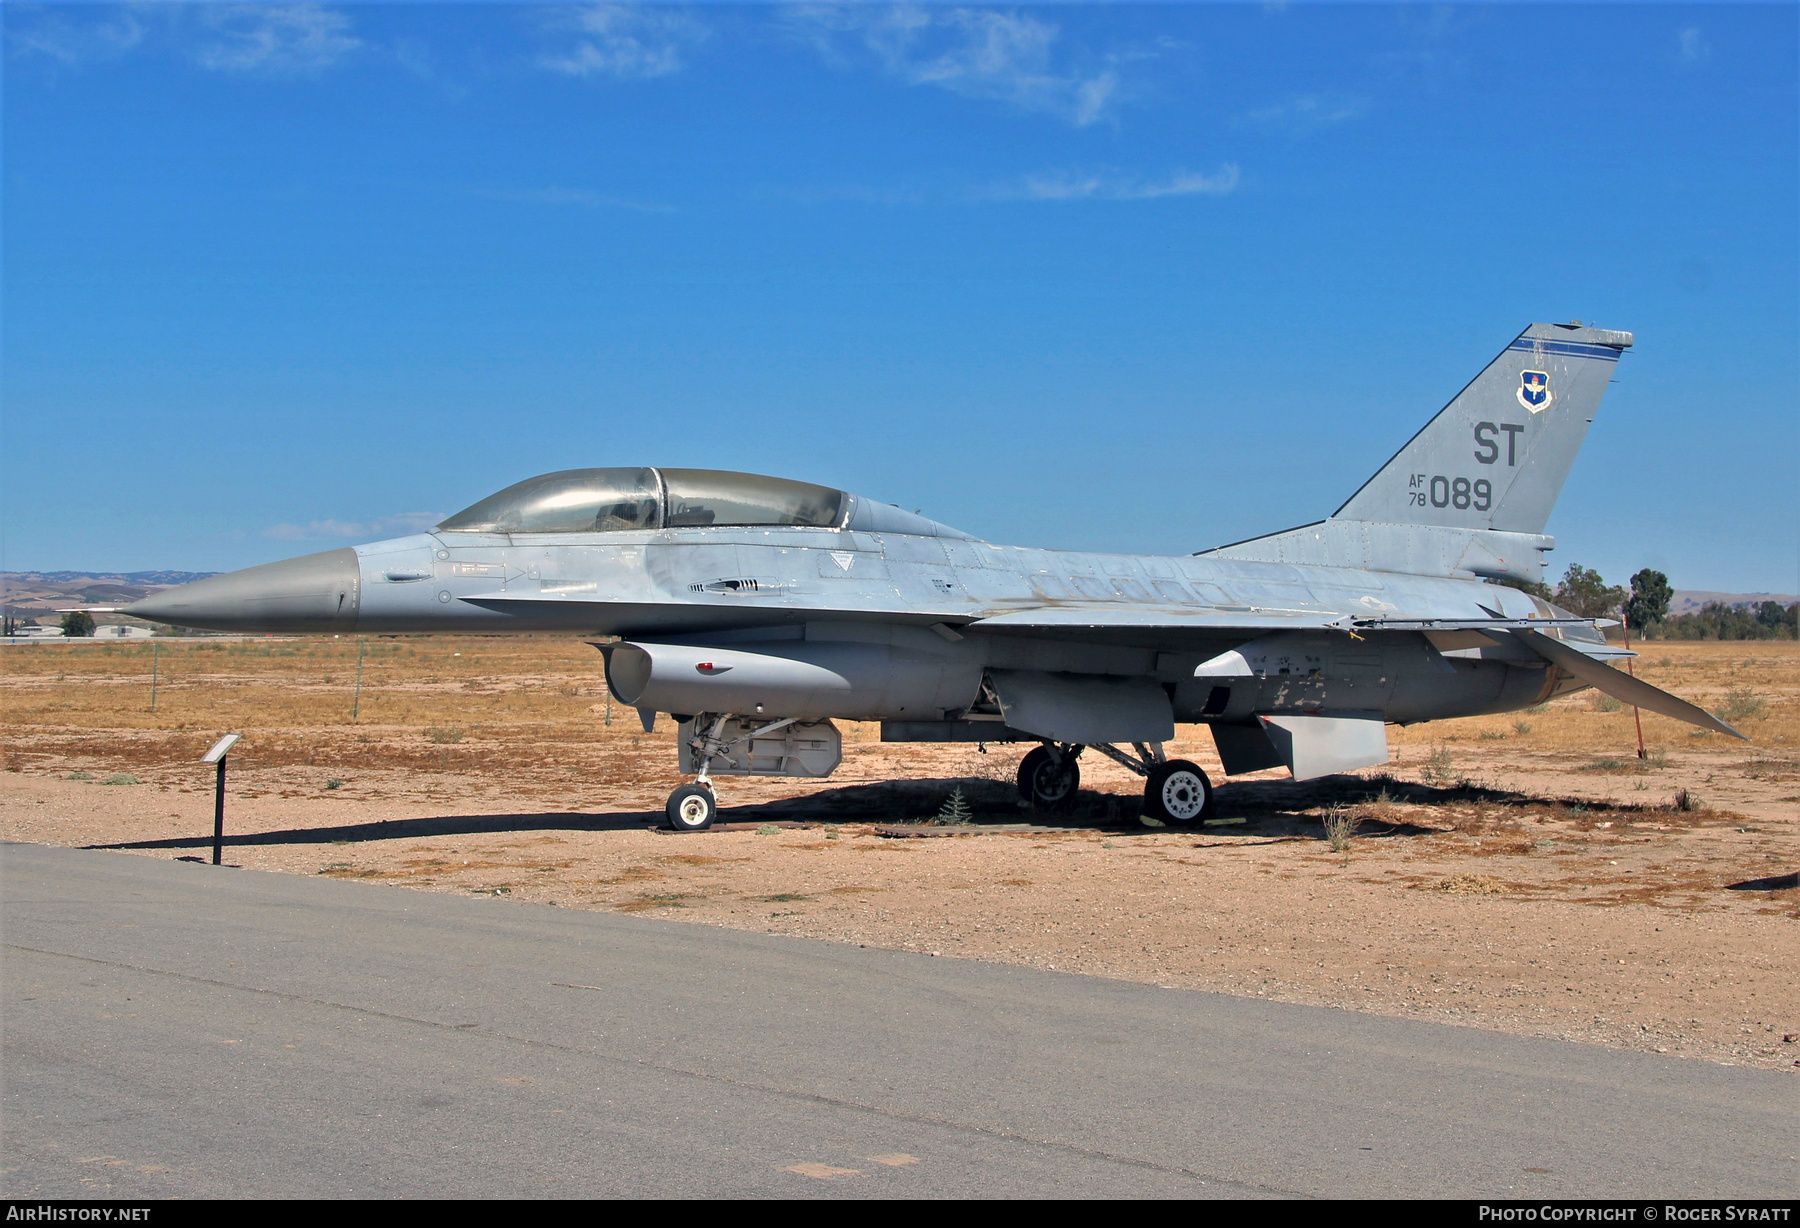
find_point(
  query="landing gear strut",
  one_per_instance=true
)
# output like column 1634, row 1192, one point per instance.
column 1049, row 777
column 694, row 807
column 1175, row 791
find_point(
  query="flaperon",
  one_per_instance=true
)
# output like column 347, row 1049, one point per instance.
column 757, row 609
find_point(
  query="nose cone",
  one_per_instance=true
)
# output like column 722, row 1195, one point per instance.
column 316, row 592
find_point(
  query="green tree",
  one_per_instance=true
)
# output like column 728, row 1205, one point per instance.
column 1766, row 620
column 1583, row 592
column 1648, row 604
column 1536, row 589
column 77, row 623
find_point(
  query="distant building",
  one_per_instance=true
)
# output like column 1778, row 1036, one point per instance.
column 105, row 631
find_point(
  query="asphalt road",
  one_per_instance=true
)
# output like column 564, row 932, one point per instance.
column 175, row 1030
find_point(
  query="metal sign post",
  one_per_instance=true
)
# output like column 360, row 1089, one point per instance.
column 356, row 702
column 217, row 755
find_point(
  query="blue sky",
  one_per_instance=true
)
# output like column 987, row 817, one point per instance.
column 283, row 277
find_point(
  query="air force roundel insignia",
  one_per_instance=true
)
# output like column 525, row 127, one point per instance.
column 1534, row 390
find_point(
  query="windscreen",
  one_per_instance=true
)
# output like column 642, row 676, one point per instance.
column 714, row 497
column 572, row 501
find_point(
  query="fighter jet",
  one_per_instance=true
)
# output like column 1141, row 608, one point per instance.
column 756, row 611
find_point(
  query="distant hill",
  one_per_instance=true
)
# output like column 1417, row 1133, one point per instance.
column 1689, row 600
column 152, row 579
column 37, row 595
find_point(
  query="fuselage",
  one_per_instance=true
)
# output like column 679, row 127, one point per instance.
column 936, row 604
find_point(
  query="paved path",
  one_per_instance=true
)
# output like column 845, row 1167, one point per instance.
column 177, row 1030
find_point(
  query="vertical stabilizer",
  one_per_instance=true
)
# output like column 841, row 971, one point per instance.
column 1471, row 492
column 1496, row 457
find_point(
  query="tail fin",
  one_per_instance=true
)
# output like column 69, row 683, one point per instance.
column 1497, row 455
column 1472, row 491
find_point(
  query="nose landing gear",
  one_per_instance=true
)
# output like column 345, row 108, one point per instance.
column 693, row 807
column 732, row 744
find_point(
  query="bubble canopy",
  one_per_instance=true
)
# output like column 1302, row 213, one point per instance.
column 610, row 500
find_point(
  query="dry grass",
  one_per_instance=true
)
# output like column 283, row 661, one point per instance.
column 1340, row 827
column 553, row 685
column 1471, row 884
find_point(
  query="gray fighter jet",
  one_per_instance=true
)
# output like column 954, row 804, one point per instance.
column 756, row 610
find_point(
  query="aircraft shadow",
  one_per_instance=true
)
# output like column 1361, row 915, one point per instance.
column 1270, row 808
column 1780, row 882
column 1266, row 808
column 409, row 829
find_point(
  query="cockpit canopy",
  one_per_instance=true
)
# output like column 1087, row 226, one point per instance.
column 607, row 500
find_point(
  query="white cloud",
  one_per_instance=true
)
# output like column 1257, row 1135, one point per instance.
column 336, row 530
column 273, row 38
column 977, row 53
column 622, row 40
column 1307, row 113
column 75, row 42
column 1692, row 46
column 1068, row 185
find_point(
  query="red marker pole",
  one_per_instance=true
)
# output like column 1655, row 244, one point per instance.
column 1636, row 713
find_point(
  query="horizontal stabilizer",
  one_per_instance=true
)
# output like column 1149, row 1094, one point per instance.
column 1622, row 687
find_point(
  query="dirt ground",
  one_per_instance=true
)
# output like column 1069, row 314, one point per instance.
column 1527, row 873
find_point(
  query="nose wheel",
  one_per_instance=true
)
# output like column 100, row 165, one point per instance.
column 692, row 808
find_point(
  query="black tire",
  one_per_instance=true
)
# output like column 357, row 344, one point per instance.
column 1047, row 784
column 1178, row 792
column 692, row 808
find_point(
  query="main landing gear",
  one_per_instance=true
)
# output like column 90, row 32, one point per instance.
column 1049, row 776
column 1175, row 791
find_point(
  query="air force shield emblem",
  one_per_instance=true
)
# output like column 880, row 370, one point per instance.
column 1534, row 390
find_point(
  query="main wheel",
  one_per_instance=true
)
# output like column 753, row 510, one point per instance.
column 692, row 808
column 1178, row 792
column 1047, row 783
